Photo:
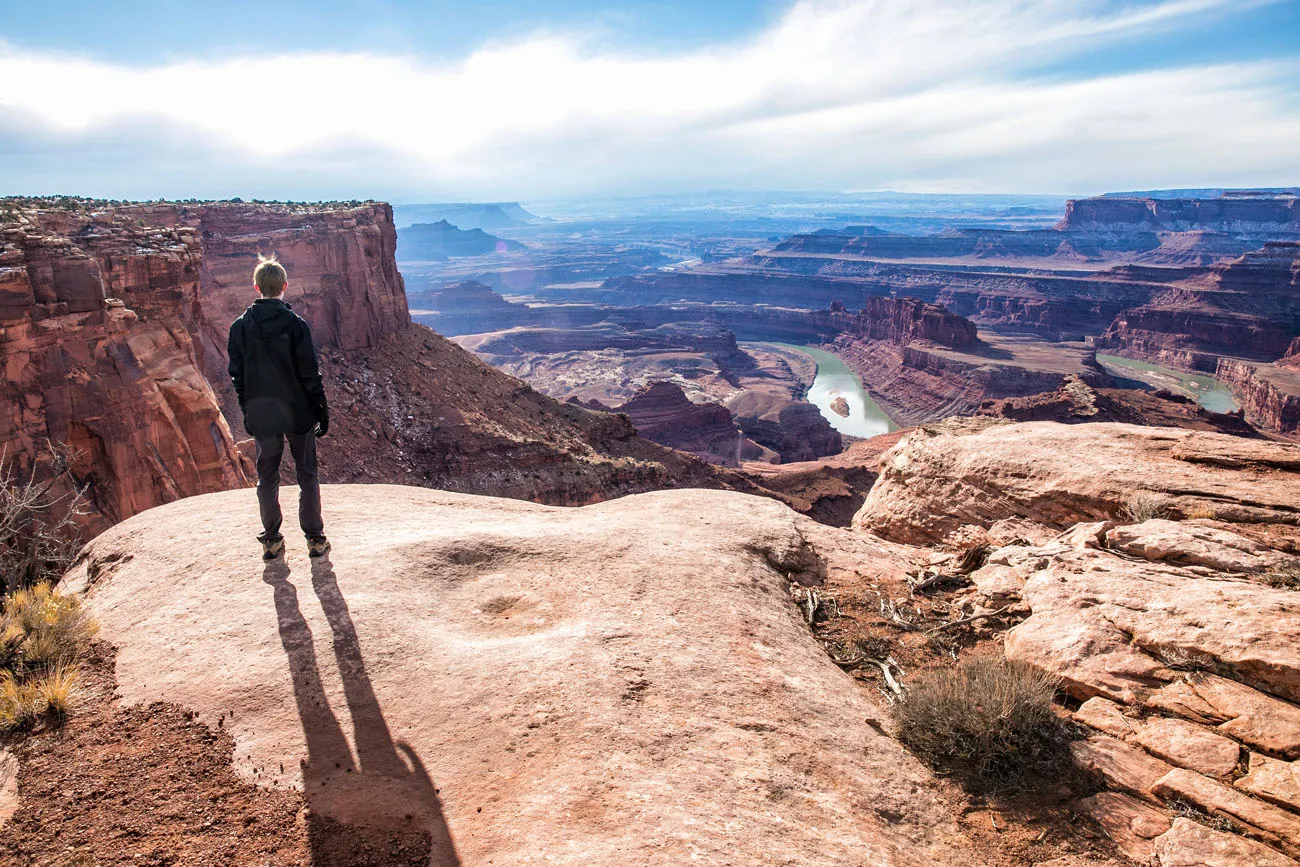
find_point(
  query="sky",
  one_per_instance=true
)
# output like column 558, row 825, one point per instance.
column 573, row 99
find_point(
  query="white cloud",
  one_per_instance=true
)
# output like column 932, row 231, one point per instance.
column 835, row 94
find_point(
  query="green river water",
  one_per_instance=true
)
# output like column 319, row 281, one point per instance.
column 1208, row 391
column 835, row 379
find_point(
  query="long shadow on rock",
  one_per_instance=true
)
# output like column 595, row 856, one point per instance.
column 379, row 806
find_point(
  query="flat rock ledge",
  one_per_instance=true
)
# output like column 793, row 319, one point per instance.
column 621, row 684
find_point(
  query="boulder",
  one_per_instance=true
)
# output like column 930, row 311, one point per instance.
column 621, row 684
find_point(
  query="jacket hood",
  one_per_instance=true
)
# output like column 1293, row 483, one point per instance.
column 271, row 316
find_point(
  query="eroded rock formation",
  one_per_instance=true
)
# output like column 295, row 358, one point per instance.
column 1177, row 633
column 1077, row 402
column 661, row 412
column 97, row 339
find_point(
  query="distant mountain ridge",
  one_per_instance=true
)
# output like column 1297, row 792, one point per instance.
column 465, row 215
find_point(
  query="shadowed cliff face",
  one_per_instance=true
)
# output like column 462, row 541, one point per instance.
column 113, row 323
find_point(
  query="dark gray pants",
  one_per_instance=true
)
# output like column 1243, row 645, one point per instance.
column 270, row 449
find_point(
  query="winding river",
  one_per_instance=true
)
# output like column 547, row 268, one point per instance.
column 835, row 380
column 1208, row 391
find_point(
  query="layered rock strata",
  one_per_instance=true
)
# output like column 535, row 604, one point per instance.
column 1178, row 635
column 661, row 412
column 97, row 339
column 1077, row 402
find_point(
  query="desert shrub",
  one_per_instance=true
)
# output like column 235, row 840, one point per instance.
column 41, row 628
column 43, row 635
column 1144, row 506
column 39, row 538
column 989, row 721
column 21, row 703
column 1286, row 578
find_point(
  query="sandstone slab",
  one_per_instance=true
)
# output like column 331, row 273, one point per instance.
column 621, row 684
column 1123, row 766
column 1273, row 780
column 1115, row 627
column 1106, row 716
column 941, row 478
column 1188, row 844
column 1262, row 820
column 1191, row 544
column 1130, row 823
column 1258, row 720
column 1189, row 746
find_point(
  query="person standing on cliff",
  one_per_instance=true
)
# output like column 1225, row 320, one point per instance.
column 276, row 375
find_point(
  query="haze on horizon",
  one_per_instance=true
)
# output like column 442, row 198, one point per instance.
column 419, row 102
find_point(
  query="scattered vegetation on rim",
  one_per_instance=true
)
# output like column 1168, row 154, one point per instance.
column 989, row 721
column 1144, row 506
column 43, row 633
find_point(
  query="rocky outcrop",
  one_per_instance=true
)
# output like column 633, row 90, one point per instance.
column 575, row 697
column 1269, row 393
column 1267, row 216
column 1177, row 635
column 791, row 427
column 973, row 473
column 662, row 413
column 1077, row 402
column 468, row 307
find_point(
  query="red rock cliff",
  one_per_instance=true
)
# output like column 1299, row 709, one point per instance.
column 98, row 353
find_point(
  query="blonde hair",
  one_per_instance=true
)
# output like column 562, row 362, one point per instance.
column 269, row 276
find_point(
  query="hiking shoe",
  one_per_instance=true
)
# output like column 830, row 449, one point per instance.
column 271, row 547
column 317, row 546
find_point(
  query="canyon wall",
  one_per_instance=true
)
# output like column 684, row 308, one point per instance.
column 1256, row 216
column 1247, row 308
column 99, row 355
column 1270, row 394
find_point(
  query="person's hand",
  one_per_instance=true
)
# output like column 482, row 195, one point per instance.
column 322, row 423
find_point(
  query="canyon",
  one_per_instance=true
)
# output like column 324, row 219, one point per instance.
column 652, row 675
column 114, row 320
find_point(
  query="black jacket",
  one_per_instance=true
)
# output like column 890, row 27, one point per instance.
column 273, row 367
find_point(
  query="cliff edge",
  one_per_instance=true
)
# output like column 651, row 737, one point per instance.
column 622, row 684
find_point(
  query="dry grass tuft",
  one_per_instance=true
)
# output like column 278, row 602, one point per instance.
column 57, row 688
column 1144, row 506
column 43, row 635
column 41, row 628
column 21, row 703
column 990, row 722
